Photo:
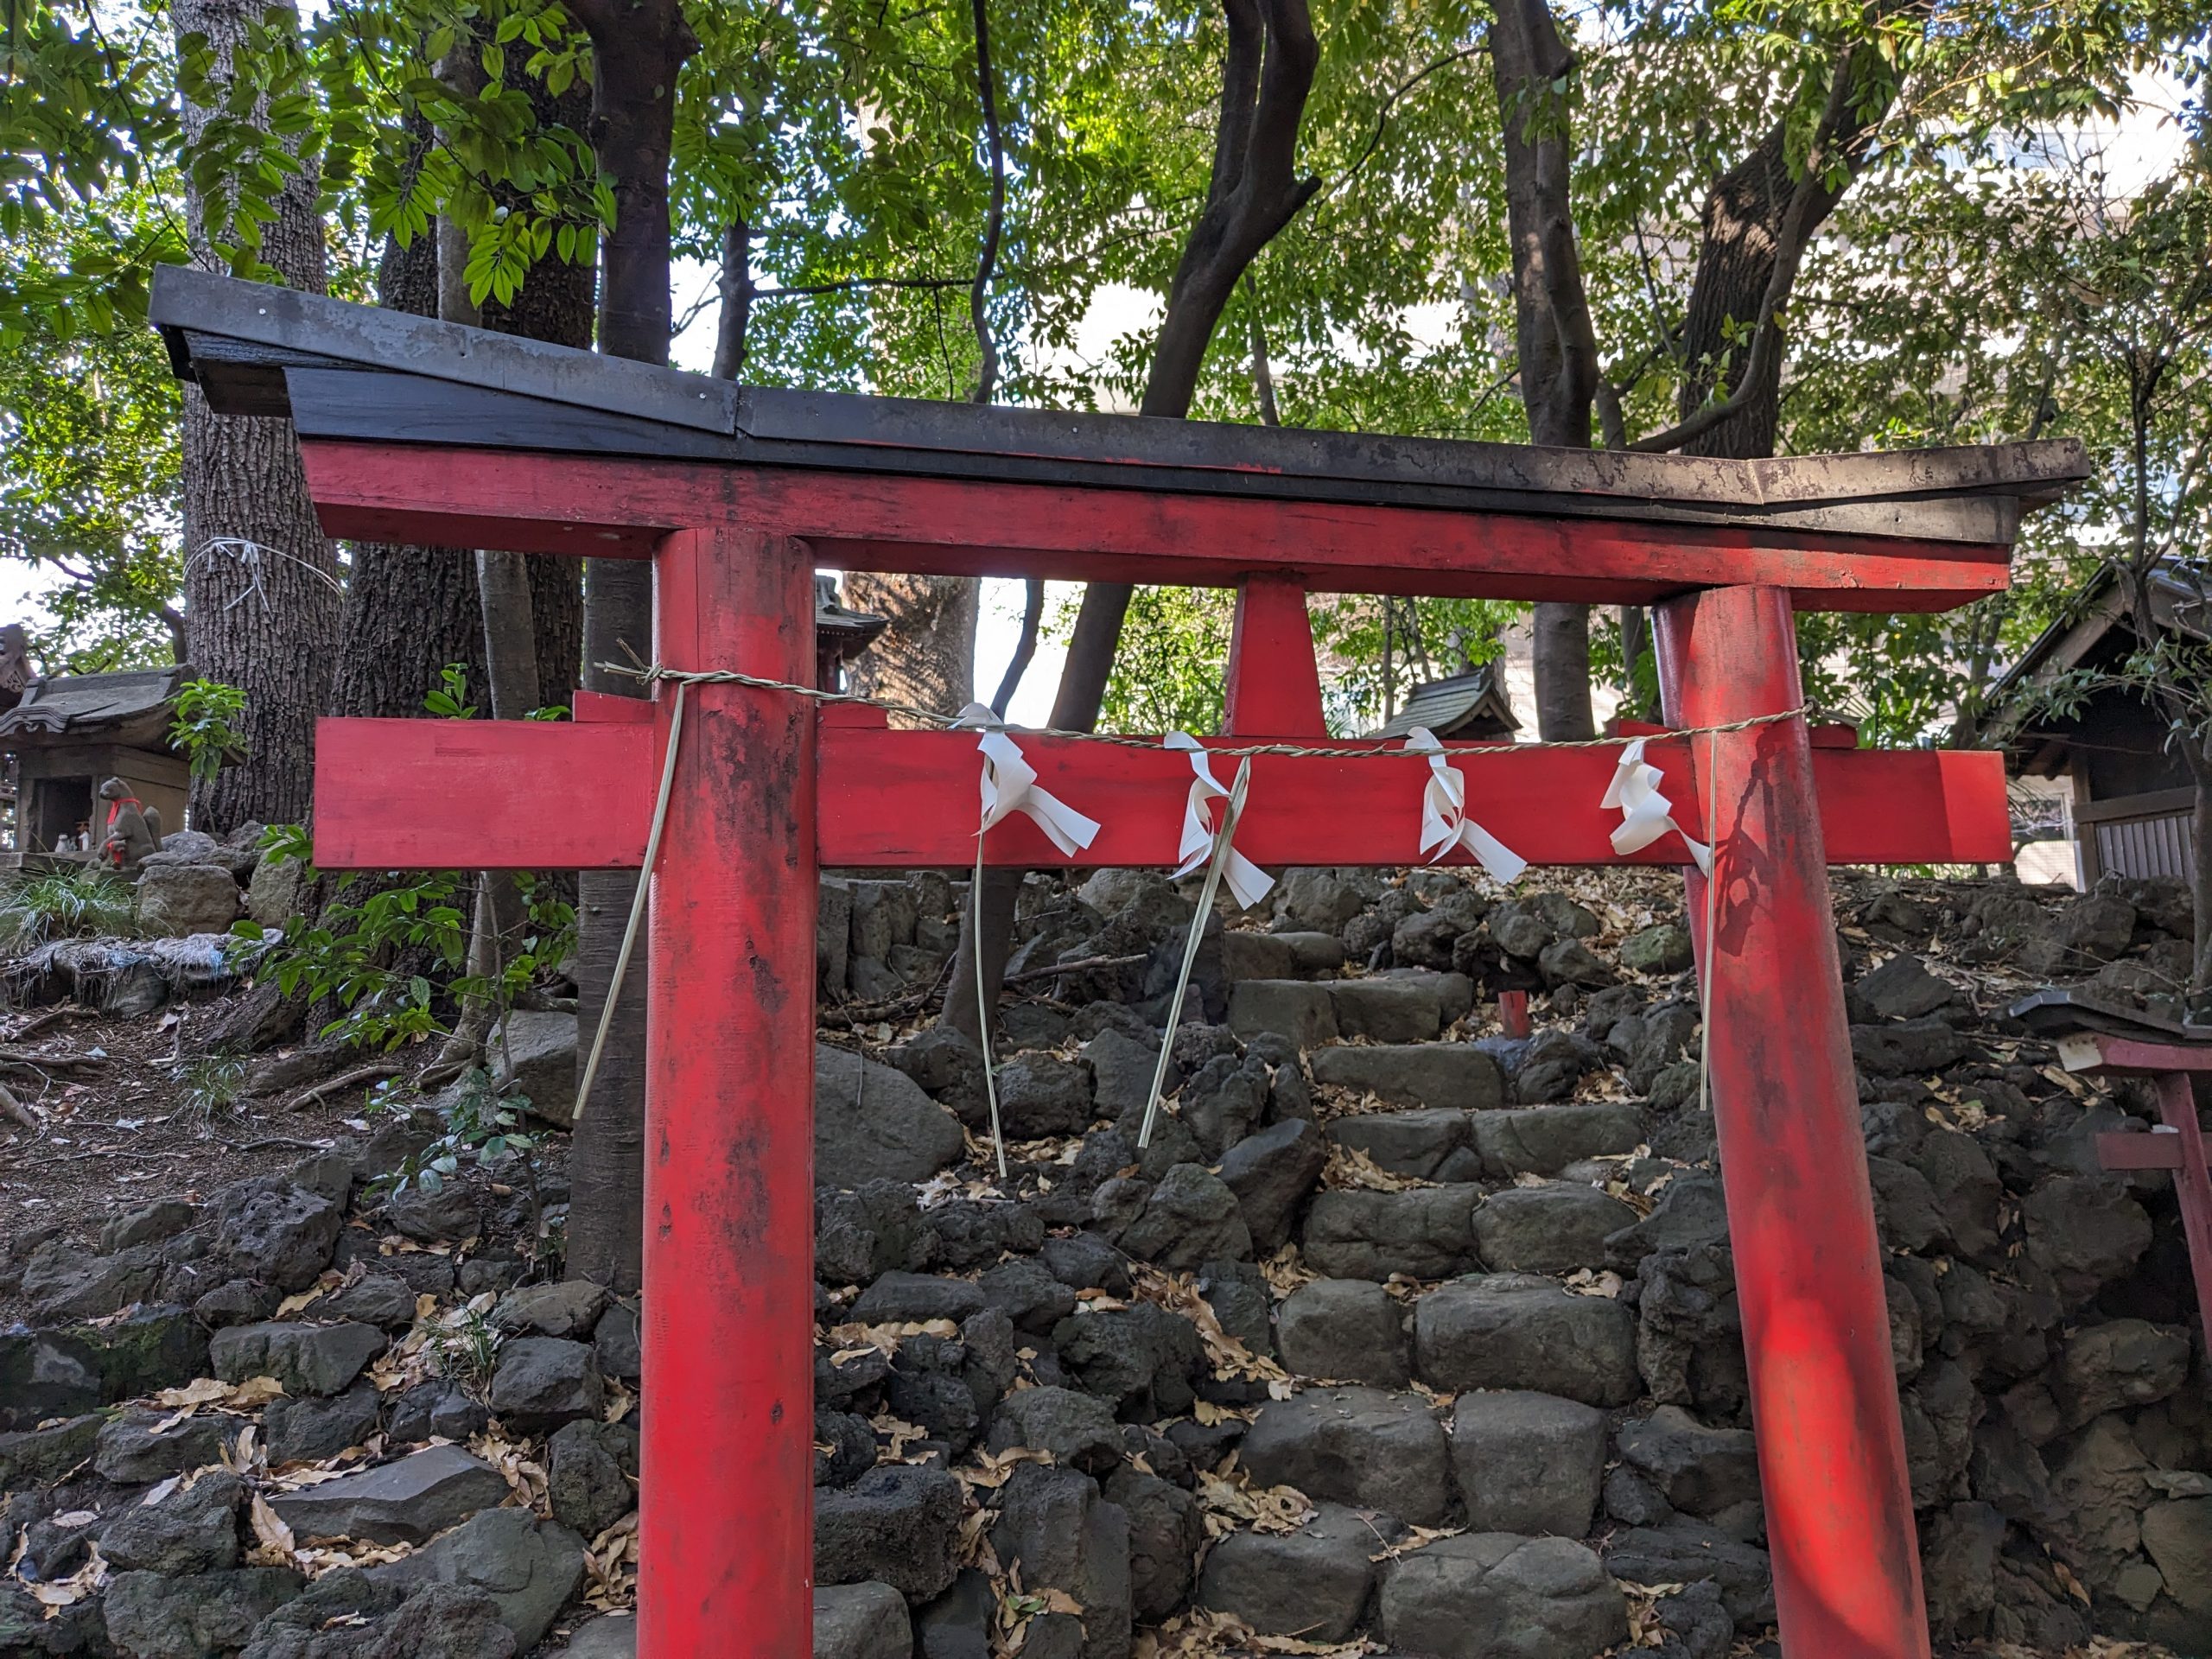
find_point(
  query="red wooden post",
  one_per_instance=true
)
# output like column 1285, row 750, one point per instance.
column 2192, row 1184
column 1274, row 685
column 727, row 1540
column 1801, row 1218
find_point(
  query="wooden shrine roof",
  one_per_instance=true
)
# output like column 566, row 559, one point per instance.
column 350, row 371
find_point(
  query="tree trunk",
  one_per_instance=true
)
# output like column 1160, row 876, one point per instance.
column 2200, row 890
column 638, row 49
column 1552, row 331
column 261, row 587
column 1735, row 262
column 1252, row 191
column 927, row 658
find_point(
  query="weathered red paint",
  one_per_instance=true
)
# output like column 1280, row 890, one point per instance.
column 1800, row 1219
column 616, row 507
column 727, row 1533
column 398, row 794
column 726, row 1540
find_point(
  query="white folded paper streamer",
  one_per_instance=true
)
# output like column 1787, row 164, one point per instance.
column 1646, row 814
column 1444, row 821
column 1009, row 787
column 1247, row 880
column 1220, row 854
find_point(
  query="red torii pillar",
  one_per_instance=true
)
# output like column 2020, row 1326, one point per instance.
column 769, row 788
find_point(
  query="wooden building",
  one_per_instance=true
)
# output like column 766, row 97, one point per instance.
column 72, row 731
column 1461, row 708
column 2129, row 796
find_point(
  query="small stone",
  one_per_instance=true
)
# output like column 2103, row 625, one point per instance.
column 1271, row 1174
column 49, row 1452
column 862, row 1621
column 1028, row 1294
column 1429, row 1146
column 1298, row 1009
column 1357, row 1446
column 448, row 1621
column 310, row 1430
column 1570, row 961
column 1900, row 988
column 897, row 1524
column 916, row 1298
column 404, row 1502
column 544, row 1382
column 192, row 1530
column 1560, row 1228
column 1492, row 1595
column 153, row 1616
column 1915, row 1048
column 1688, row 1553
column 1191, row 1217
column 446, row 1214
column 1545, row 1139
column 534, row 1056
column 1059, row 1532
column 308, row 1359
column 1343, row 1331
column 1662, row 948
column 586, row 1483
column 1040, row 1095
column 149, row 1226
column 1388, row 1007
column 384, row 1299
column 614, row 1344
column 1701, row 1470
column 1078, row 1429
column 1506, row 1330
column 1528, row 1463
column 179, row 900
column 1312, row 1584
column 438, row 1408
column 1426, row 1233
column 64, row 1281
column 2121, row 1363
column 129, row 1452
column 570, row 1308
column 874, row 1123
column 530, row 1568
column 611, row 1635
column 2177, row 1537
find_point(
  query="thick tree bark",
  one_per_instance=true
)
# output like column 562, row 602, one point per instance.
column 1254, row 190
column 639, row 48
column 261, row 587
column 409, row 611
column 927, row 658
column 1554, row 341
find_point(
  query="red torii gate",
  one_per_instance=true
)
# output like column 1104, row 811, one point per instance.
column 419, row 431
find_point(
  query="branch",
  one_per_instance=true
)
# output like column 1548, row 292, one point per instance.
column 1389, row 104
column 736, row 283
column 1805, row 211
column 1025, row 648
column 986, row 369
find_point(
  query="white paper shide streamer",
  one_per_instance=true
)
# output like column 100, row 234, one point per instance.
column 1010, row 787
column 1247, row 881
column 1444, row 821
column 1646, row 814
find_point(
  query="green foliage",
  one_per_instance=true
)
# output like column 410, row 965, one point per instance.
column 210, row 1084
column 89, row 451
column 87, row 901
column 205, row 726
column 450, row 701
column 477, row 1125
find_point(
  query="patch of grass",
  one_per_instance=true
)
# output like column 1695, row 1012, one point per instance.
column 62, row 905
column 208, row 1083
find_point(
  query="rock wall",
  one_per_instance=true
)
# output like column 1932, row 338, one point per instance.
column 1399, row 1335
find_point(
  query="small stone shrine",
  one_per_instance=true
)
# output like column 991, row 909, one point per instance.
column 73, row 733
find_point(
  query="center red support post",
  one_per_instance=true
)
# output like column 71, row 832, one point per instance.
column 1801, row 1218
column 728, row 1541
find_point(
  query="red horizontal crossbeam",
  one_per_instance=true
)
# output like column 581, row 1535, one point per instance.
column 614, row 507
column 400, row 794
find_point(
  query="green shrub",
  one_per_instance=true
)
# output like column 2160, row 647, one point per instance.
column 63, row 905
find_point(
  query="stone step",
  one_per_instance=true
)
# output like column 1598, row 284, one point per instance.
column 1439, row 1232
column 1445, row 1143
